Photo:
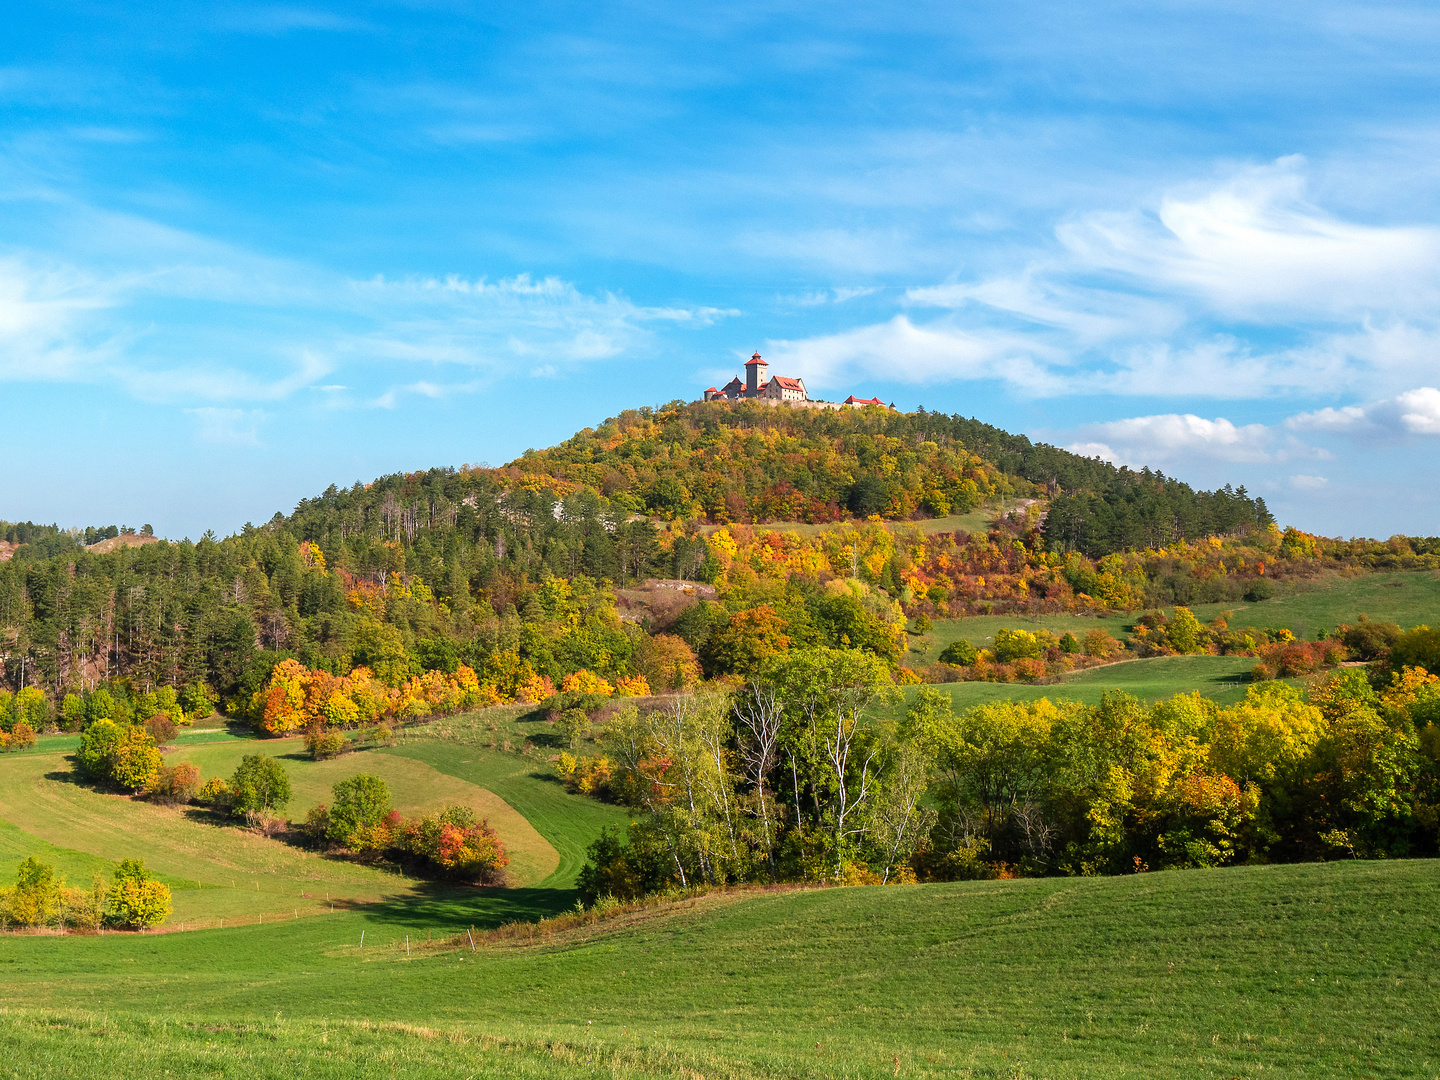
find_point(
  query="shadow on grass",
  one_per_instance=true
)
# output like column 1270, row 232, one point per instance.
column 446, row 904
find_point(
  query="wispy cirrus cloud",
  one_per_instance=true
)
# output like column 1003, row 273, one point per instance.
column 243, row 326
column 1244, row 288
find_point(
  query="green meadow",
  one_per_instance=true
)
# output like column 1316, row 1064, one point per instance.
column 295, row 964
column 1297, row 971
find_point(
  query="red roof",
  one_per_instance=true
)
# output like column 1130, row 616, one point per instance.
column 853, row 400
column 711, row 390
column 786, row 383
column 756, row 360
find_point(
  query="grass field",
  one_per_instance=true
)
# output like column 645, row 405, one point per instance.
column 1408, row 599
column 1301, row 971
column 222, row 874
column 1220, row 678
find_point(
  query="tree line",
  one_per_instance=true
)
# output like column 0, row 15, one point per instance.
column 799, row 777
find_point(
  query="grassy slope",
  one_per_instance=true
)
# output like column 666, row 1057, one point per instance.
column 1408, row 599
column 220, row 872
column 1220, row 678
column 1319, row 970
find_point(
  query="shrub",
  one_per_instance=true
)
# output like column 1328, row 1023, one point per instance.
column 175, row 784
column 259, row 784
column 586, row 682
column 455, row 843
column 323, row 744
column 1015, row 645
column 136, row 899
column 632, row 686
column 1069, row 643
column 1028, row 668
column 1260, row 589
column 960, row 653
column 160, row 728
column 35, row 898
column 1366, row 640
column 1100, row 645
column 216, row 791
column 1418, row 648
column 21, row 737
column 572, row 724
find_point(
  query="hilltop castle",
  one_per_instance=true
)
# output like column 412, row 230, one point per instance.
column 757, row 385
column 780, row 388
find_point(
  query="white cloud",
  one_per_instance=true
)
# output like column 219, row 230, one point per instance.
column 1420, row 410
column 1241, row 289
column 1257, row 245
column 901, row 351
column 250, row 328
column 1414, row 412
column 1173, row 438
column 1303, row 482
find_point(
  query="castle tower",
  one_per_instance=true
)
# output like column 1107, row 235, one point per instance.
column 755, row 369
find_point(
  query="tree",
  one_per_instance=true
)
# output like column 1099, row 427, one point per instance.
column 99, row 744
column 897, row 823
column 260, row 784
column 760, row 717
column 379, row 647
column 828, row 692
column 572, row 724
column 362, row 803
column 960, row 653
column 746, row 642
column 1417, row 648
column 35, row 898
column 136, row 899
column 136, row 761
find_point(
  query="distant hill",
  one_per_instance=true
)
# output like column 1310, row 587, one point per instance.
column 757, row 463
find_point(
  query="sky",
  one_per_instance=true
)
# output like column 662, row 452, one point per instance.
column 248, row 251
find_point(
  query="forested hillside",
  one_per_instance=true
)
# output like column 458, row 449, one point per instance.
column 532, row 575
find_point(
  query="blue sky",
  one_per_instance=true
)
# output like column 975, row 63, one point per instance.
column 250, row 250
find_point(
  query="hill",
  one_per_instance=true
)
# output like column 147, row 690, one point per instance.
column 429, row 572
column 1297, row 971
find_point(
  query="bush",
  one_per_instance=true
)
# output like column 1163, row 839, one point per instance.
column 323, row 744
column 1100, row 645
column 572, row 724
column 20, row 737
column 1069, row 643
column 216, row 792
column 35, row 898
column 160, row 728
column 137, row 900
column 455, row 843
column 39, row 898
column 175, row 784
column 1260, row 589
column 1015, row 645
column 960, row 653
column 1366, row 640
